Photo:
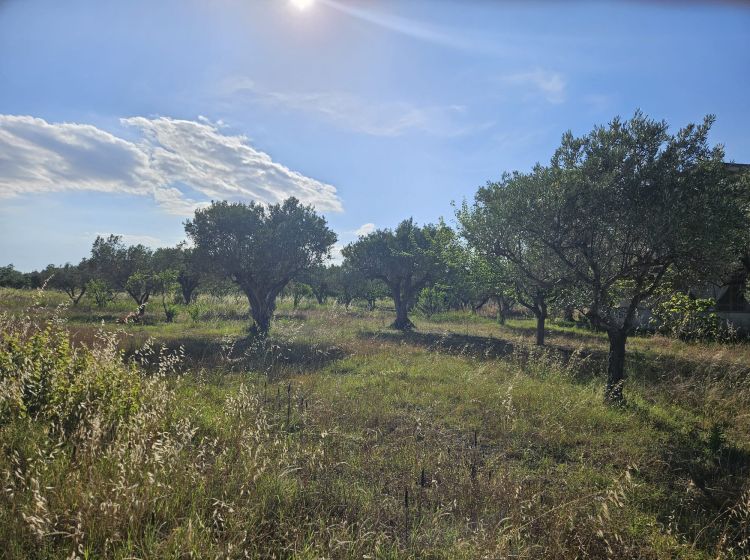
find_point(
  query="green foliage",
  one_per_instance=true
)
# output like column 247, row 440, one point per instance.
column 511, row 239
column 189, row 271
column 166, row 285
column 320, row 279
column 45, row 378
column 406, row 260
column 141, row 284
column 195, row 310
column 612, row 214
column 635, row 202
column 686, row 317
column 125, row 268
column 12, row 278
column 298, row 291
column 432, row 300
column 100, row 291
column 261, row 248
column 72, row 279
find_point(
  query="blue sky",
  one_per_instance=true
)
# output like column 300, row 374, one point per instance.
column 122, row 117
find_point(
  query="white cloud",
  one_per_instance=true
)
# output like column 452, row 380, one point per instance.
column 551, row 85
column 351, row 112
column 364, row 229
column 171, row 157
column 336, row 256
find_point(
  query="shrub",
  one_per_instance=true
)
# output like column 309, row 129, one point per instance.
column 195, row 310
column 100, row 291
column 170, row 312
column 685, row 317
column 44, row 377
column 432, row 300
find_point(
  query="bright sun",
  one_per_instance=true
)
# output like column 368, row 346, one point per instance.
column 302, row 4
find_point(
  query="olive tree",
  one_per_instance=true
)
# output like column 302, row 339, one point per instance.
column 474, row 278
column 349, row 284
column 320, row 279
column 261, row 248
column 406, row 259
column 125, row 268
column 72, row 279
column 12, row 278
column 627, row 205
column 500, row 228
column 187, row 267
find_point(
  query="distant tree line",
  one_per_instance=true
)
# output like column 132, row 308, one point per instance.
column 618, row 217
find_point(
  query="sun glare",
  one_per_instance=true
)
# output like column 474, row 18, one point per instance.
column 302, row 4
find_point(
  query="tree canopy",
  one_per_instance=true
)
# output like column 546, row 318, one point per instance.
column 261, row 248
column 619, row 209
column 406, row 259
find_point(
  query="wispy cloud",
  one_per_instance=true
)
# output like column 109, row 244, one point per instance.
column 550, row 85
column 364, row 229
column 179, row 163
column 351, row 112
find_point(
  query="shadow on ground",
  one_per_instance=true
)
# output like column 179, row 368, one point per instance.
column 491, row 348
column 272, row 356
column 652, row 368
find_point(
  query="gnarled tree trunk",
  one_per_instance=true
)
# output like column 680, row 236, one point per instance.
column 261, row 310
column 402, row 321
column 187, row 288
column 615, row 366
column 502, row 309
column 75, row 297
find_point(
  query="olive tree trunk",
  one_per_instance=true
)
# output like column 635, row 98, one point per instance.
column 615, row 366
column 75, row 297
column 402, row 321
column 538, row 306
column 187, row 289
column 541, row 318
column 261, row 310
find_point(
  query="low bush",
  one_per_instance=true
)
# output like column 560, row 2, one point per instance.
column 686, row 317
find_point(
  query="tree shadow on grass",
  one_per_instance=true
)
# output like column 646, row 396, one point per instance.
column 271, row 356
column 587, row 364
column 581, row 335
column 713, row 471
column 582, row 364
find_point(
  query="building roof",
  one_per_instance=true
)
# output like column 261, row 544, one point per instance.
column 737, row 167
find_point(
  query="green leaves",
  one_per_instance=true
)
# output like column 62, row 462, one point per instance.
column 406, row 259
column 261, row 248
column 687, row 318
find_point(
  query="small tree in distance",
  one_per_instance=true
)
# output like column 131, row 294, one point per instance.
column 406, row 259
column 260, row 248
column 183, row 261
column 124, row 268
column 72, row 279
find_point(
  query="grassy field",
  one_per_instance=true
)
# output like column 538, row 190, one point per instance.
column 340, row 438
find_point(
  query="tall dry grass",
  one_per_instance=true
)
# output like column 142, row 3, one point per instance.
column 323, row 444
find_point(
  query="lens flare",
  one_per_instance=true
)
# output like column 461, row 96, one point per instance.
column 302, row 4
